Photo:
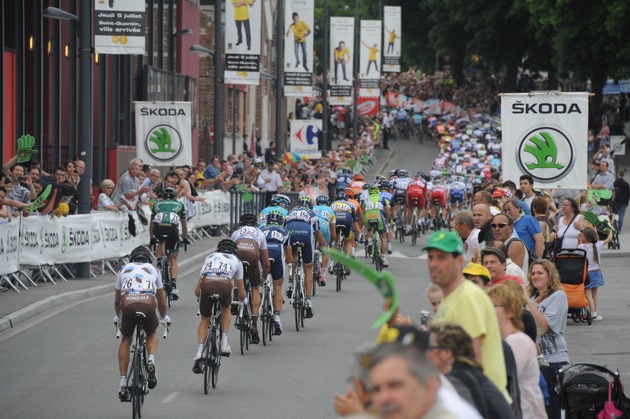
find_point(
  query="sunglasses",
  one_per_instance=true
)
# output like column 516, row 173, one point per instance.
column 500, row 225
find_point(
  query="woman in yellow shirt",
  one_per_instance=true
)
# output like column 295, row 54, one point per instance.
column 300, row 31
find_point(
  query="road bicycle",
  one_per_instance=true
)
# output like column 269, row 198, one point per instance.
column 415, row 228
column 400, row 225
column 165, row 268
column 211, row 353
column 137, row 377
column 317, row 268
column 299, row 294
column 338, row 268
column 266, row 308
column 375, row 246
column 243, row 320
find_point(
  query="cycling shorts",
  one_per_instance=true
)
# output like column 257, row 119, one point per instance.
column 399, row 197
column 345, row 228
column 415, row 194
column 437, row 195
column 457, row 196
column 276, row 252
column 140, row 302
column 168, row 234
column 253, row 272
column 305, row 238
column 375, row 217
column 325, row 229
column 214, row 286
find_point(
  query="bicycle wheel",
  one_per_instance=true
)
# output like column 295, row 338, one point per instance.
column 303, row 309
column 207, row 363
column 297, row 301
column 166, row 278
column 138, row 397
column 264, row 316
column 216, row 361
column 339, row 276
column 316, row 272
column 243, row 330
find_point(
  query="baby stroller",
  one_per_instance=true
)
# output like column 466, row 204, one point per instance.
column 572, row 266
column 586, row 389
column 602, row 217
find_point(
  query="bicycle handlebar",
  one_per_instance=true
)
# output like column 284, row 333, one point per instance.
column 161, row 321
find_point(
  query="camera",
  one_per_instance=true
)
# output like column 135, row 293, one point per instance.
column 424, row 317
column 21, row 178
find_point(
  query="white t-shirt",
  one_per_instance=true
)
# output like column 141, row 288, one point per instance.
column 138, row 277
column 472, row 243
column 593, row 265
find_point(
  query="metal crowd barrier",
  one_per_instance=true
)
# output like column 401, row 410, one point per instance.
column 240, row 203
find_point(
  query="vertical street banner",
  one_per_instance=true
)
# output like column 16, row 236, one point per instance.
column 341, row 62
column 544, row 133
column 119, row 27
column 392, row 38
column 298, row 48
column 242, row 41
column 370, row 59
column 304, row 137
column 164, row 132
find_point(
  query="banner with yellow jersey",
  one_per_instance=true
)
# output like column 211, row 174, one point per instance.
column 392, row 38
column 341, row 62
column 370, row 59
column 298, row 48
column 242, row 41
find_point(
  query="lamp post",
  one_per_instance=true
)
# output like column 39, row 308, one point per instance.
column 171, row 57
column 84, row 21
column 218, row 117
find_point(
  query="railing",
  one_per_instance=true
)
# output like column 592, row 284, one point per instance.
column 252, row 202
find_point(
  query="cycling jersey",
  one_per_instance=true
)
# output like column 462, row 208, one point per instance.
column 357, row 186
column 457, row 189
column 416, row 192
column 343, row 181
column 138, row 277
column 326, row 217
column 222, row 267
column 137, row 283
column 249, row 242
column 374, row 210
column 401, row 184
column 346, row 215
column 277, row 237
column 168, row 212
column 438, row 194
column 417, row 119
column 302, row 224
column 262, row 217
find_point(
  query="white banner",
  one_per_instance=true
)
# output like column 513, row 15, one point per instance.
column 305, row 136
column 9, row 246
column 298, row 48
column 370, row 59
column 392, row 38
column 242, row 41
column 341, row 62
column 164, row 133
column 119, row 27
column 543, row 133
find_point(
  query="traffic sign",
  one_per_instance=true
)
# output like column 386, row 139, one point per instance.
column 618, row 145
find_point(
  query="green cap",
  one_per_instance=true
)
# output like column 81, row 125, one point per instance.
column 445, row 241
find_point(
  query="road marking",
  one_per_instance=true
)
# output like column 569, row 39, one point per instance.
column 170, row 397
column 360, row 253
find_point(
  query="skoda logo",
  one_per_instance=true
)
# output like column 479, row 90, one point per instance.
column 64, row 239
column 163, row 142
column 546, row 154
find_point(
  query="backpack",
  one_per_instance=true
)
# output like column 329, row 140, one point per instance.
column 529, row 258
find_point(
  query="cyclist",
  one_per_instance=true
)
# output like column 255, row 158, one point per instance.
column 303, row 226
column 252, row 249
column 279, row 202
column 358, row 227
column 399, row 187
column 437, row 200
column 344, row 177
column 386, row 193
column 376, row 208
column 221, row 272
column 357, row 183
column 327, row 224
column 166, row 217
column 346, row 217
column 363, row 194
column 416, row 191
column 138, row 289
column 277, row 237
column 457, row 192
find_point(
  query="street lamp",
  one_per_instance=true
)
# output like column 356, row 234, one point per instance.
column 171, row 57
column 85, row 105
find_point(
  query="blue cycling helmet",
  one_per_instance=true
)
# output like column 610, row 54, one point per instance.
column 275, row 217
column 341, row 195
column 305, row 201
column 323, row 200
column 282, row 200
column 385, row 185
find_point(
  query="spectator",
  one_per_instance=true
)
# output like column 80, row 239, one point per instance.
column 540, row 211
column 270, row 153
column 527, row 228
column 22, row 189
column 128, row 188
column 570, row 224
column 483, row 220
column 211, row 173
column 527, row 188
column 590, row 243
column 465, row 226
column 603, row 155
column 604, row 180
column 503, row 229
column 151, row 181
column 105, row 202
column 270, row 181
column 620, row 201
column 511, row 268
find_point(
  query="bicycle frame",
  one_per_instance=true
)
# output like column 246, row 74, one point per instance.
column 211, row 349
column 299, row 291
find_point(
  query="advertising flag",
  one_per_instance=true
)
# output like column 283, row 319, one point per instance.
column 164, row 133
column 370, row 59
column 341, row 62
column 242, row 41
column 119, row 27
column 543, row 132
column 298, row 48
column 392, row 37
column 305, row 138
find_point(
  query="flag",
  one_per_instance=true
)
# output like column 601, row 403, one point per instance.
column 252, row 146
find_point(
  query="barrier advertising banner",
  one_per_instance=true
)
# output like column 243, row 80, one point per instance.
column 242, row 41
column 543, row 133
column 341, row 62
column 9, row 246
column 119, row 27
column 370, row 59
column 392, row 39
column 298, row 48
column 164, row 132
column 305, row 137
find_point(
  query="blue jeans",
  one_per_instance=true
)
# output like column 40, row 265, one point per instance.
column 300, row 45
column 620, row 209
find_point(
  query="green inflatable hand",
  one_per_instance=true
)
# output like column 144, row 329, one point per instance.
column 25, row 148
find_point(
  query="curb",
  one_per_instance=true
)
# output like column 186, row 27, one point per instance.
column 386, row 161
column 49, row 303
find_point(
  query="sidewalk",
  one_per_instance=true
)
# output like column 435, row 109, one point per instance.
column 17, row 308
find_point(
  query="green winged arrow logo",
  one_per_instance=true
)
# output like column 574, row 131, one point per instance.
column 545, row 151
column 162, row 140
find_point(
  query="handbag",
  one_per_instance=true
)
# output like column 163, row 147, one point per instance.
column 556, row 244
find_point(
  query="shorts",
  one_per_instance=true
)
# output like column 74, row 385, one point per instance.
column 214, row 286
column 276, row 252
column 306, row 239
column 325, row 229
column 345, row 229
column 415, row 194
column 597, row 279
column 131, row 304
column 457, row 197
column 376, row 218
column 251, row 266
column 169, row 234
column 399, row 197
column 438, row 196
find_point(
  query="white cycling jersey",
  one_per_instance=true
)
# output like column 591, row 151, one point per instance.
column 401, row 184
column 252, row 233
column 138, row 277
column 457, row 186
column 222, row 266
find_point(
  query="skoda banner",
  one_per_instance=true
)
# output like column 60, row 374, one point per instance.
column 370, row 59
column 298, row 48
column 305, row 137
column 119, row 26
column 341, row 62
column 392, row 37
column 544, row 134
column 163, row 133
column 242, row 41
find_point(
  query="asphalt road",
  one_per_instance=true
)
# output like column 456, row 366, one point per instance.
column 66, row 365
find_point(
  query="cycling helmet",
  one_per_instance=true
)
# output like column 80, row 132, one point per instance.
column 249, row 220
column 275, row 217
column 374, row 190
column 323, row 200
column 365, row 187
column 403, row 173
column 227, row 246
column 341, row 195
column 349, row 193
column 305, row 201
column 393, row 173
column 282, row 200
column 141, row 255
column 358, row 177
column 385, row 186
column 169, row 193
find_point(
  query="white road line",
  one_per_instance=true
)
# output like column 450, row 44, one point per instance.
column 170, row 397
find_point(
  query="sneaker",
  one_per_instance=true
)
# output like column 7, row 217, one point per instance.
column 384, row 260
column 225, row 348
column 331, row 269
column 152, row 379
column 309, row 309
column 322, row 281
column 369, row 250
column 123, row 394
column 174, row 294
column 255, row 337
column 159, row 263
column 197, row 365
column 277, row 328
column 290, row 289
column 596, row 317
